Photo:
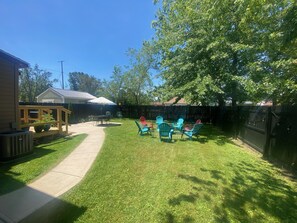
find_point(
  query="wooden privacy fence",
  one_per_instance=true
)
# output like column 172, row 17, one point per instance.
column 33, row 115
column 270, row 130
column 190, row 113
column 80, row 112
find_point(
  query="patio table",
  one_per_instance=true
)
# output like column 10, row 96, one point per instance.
column 100, row 118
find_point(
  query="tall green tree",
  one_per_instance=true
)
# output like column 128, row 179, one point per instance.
column 79, row 81
column 214, row 50
column 133, row 83
column 274, row 71
column 289, row 36
column 114, row 89
column 138, row 77
column 289, row 26
column 33, row 81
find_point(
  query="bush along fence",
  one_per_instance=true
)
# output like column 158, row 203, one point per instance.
column 270, row 130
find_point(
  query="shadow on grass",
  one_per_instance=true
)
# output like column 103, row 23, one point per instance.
column 54, row 211
column 169, row 218
column 199, row 139
column 248, row 193
column 52, row 140
column 211, row 133
column 37, row 207
column 262, row 191
column 8, row 182
column 164, row 140
column 39, row 150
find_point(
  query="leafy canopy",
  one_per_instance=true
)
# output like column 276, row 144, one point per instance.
column 211, row 51
column 79, row 81
column 132, row 84
column 34, row 81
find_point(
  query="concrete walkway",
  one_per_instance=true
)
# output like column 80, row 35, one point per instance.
column 19, row 204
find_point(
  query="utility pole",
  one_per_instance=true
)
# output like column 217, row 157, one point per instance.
column 62, row 73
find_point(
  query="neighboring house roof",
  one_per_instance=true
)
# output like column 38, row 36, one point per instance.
column 174, row 101
column 265, row 103
column 69, row 94
column 20, row 63
column 102, row 101
column 157, row 103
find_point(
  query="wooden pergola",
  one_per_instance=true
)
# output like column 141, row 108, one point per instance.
column 32, row 115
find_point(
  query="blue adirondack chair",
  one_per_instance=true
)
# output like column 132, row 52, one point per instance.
column 165, row 130
column 159, row 120
column 192, row 132
column 142, row 129
column 179, row 124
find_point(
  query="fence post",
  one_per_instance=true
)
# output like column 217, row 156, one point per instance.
column 66, row 121
column 26, row 115
column 59, row 119
column 236, row 122
column 266, row 152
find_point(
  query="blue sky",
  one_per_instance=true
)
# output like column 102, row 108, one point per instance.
column 91, row 36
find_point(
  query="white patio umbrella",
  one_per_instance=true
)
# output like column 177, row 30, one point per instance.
column 102, row 101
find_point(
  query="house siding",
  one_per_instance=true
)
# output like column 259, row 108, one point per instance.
column 8, row 97
column 55, row 95
column 50, row 97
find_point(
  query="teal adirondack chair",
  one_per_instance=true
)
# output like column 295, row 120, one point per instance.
column 165, row 130
column 179, row 124
column 192, row 132
column 159, row 120
column 142, row 129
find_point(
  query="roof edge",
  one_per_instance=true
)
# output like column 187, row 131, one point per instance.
column 55, row 90
column 21, row 63
column 52, row 90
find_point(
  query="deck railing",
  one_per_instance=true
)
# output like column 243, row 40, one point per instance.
column 33, row 115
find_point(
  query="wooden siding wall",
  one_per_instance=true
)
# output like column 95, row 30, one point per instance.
column 8, row 95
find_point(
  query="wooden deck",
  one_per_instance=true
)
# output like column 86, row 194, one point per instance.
column 32, row 115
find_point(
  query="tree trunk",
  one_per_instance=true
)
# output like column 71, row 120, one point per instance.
column 234, row 84
column 221, row 100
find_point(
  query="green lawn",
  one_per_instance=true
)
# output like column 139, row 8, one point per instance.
column 16, row 174
column 139, row 179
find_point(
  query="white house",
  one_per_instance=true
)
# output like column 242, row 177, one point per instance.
column 55, row 95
